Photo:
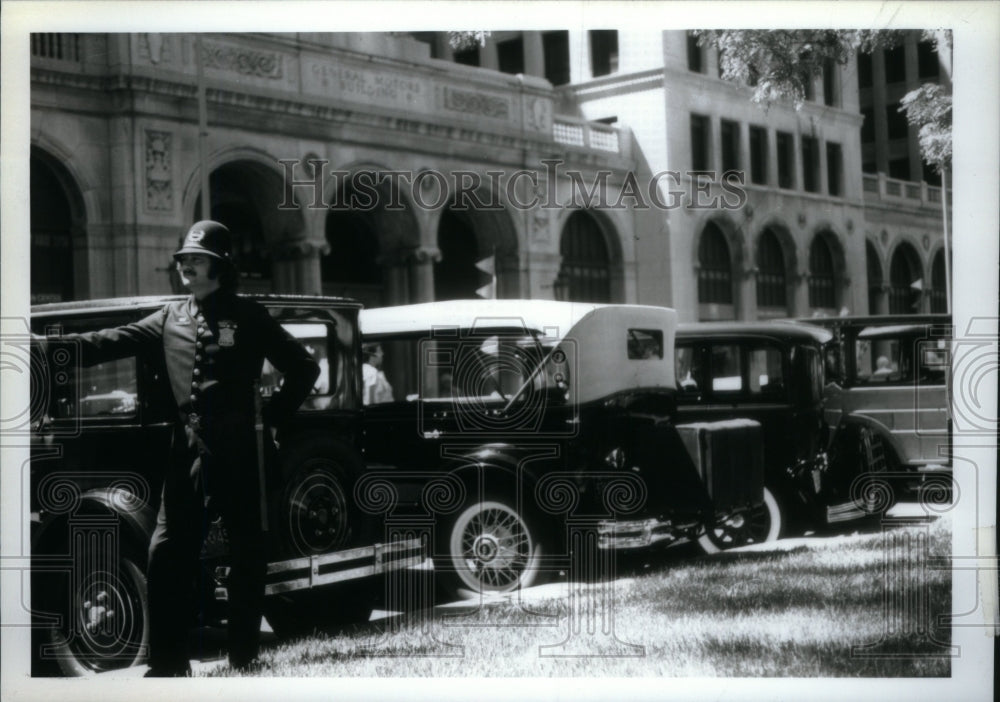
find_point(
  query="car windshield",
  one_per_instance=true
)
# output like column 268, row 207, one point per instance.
column 484, row 366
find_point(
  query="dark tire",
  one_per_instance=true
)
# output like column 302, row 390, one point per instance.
column 314, row 511
column 488, row 547
column 762, row 525
column 325, row 609
column 104, row 621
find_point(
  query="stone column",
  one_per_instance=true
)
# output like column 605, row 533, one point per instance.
column 488, row 57
column 295, row 268
column 800, row 297
column 395, row 278
column 421, row 273
column 878, row 110
column 534, row 54
column 882, row 299
column 747, row 293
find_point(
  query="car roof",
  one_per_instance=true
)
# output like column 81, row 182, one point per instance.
column 878, row 320
column 152, row 302
column 894, row 330
column 532, row 315
column 783, row 329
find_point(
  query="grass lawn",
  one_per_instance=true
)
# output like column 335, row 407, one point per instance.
column 853, row 605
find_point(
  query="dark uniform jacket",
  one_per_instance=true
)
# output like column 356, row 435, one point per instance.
column 213, row 350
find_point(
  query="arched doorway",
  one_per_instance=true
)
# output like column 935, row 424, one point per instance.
column 372, row 251
column 468, row 237
column 455, row 275
column 905, row 292
column 245, row 196
column 715, row 275
column 350, row 268
column 876, row 303
column 772, row 276
column 57, row 226
column 585, row 273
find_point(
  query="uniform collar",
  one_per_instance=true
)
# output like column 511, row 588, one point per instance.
column 213, row 303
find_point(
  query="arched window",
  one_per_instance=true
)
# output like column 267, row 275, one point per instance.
column 455, row 275
column 51, row 233
column 874, row 277
column 772, row 289
column 715, row 272
column 822, row 275
column 939, row 284
column 585, row 266
column 904, row 271
column 351, row 267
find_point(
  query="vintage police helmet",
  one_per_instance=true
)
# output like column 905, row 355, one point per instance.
column 207, row 237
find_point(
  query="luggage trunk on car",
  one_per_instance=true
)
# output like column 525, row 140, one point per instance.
column 730, row 460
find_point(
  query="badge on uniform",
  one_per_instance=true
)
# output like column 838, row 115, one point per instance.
column 227, row 333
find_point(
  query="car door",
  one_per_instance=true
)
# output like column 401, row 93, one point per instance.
column 112, row 421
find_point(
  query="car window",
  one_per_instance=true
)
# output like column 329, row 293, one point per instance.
column 105, row 390
column 485, row 367
column 645, row 343
column 884, row 361
column 766, row 372
column 725, row 369
column 934, row 360
column 314, row 336
column 688, row 370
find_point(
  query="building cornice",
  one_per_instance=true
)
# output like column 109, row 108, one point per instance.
column 223, row 99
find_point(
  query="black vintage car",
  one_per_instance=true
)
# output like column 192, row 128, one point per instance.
column 99, row 448
column 771, row 372
column 522, row 428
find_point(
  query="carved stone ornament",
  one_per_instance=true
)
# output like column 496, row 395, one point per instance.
column 262, row 64
column 474, row 103
column 159, row 181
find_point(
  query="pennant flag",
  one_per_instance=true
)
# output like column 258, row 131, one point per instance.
column 917, row 284
column 488, row 291
column 488, row 266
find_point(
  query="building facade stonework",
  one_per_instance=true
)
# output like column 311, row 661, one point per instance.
column 382, row 166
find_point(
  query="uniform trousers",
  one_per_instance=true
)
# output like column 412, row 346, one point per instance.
column 213, row 471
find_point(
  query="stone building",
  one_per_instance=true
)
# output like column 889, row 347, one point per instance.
column 387, row 166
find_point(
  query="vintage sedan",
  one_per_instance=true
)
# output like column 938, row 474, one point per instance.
column 523, row 430
column 100, row 443
column 887, row 402
column 771, row 372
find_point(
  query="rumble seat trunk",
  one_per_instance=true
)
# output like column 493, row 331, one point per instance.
column 729, row 457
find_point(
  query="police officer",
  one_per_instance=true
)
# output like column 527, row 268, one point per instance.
column 214, row 344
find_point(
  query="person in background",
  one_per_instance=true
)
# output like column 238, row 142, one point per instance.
column 375, row 386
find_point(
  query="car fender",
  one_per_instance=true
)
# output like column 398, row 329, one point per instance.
column 862, row 421
column 132, row 518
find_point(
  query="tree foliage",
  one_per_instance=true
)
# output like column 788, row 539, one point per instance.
column 779, row 64
column 928, row 108
column 459, row 41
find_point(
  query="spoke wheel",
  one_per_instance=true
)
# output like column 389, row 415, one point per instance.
column 489, row 548
column 761, row 525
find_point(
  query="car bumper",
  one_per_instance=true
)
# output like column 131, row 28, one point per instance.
column 640, row 533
